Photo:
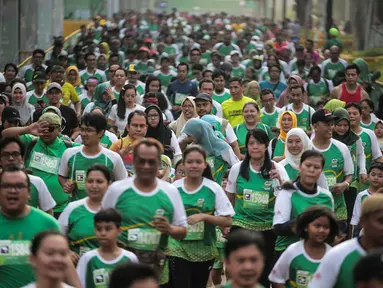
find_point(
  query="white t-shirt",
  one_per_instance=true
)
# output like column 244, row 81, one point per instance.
column 358, row 206
column 375, row 148
column 46, row 201
column 121, row 123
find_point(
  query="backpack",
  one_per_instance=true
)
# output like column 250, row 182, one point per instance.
column 32, row 144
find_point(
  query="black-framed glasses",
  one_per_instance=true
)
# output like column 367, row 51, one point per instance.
column 7, row 155
column 53, row 128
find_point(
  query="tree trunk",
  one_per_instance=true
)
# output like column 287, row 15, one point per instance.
column 301, row 11
column 361, row 22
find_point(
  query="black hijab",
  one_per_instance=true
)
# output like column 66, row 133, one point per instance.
column 162, row 132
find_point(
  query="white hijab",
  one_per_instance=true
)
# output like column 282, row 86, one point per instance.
column 25, row 109
column 295, row 160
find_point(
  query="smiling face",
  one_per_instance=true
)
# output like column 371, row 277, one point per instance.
column 354, row 116
column 187, row 109
column 96, row 185
column 250, row 113
column 376, row 178
column 342, row 127
column 324, row 129
column 18, row 96
column 294, row 145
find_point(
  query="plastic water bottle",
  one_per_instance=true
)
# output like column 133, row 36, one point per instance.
column 276, row 186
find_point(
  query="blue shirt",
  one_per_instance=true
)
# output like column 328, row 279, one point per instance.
column 178, row 91
column 276, row 89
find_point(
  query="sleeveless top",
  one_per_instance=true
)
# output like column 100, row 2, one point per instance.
column 351, row 97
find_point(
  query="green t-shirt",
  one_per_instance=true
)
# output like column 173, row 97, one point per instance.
column 370, row 126
column 33, row 99
column 238, row 71
column 199, row 244
column 141, row 67
column 317, row 91
column 44, row 161
column 99, row 74
column 205, row 58
column 295, row 268
column 330, row 69
column 138, row 209
column 76, row 222
column 338, row 164
column 85, row 100
column 225, row 50
column 218, row 166
column 220, row 98
column 291, row 203
column 170, row 49
column 15, row 239
column 292, row 172
column 270, row 119
column 303, row 116
column 241, row 133
column 74, row 164
column 165, row 79
column 94, row 271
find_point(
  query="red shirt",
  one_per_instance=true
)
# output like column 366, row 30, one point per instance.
column 348, row 97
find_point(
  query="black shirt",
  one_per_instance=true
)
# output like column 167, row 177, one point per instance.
column 69, row 121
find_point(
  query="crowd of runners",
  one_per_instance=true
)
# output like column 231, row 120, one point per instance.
column 191, row 151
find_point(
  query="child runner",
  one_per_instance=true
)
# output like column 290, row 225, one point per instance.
column 378, row 130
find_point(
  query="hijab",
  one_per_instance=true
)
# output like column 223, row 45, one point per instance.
column 106, row 47
column 179, row 124
column 284, row 99
column 25, row 109
column 295, row 160
column 257, row 97
column 162, row 132
column 350, row 137
column 205, row 137
column 213, row 122
column 99, row 98
column 77, row 83
column 283, row 134
column 334, row 104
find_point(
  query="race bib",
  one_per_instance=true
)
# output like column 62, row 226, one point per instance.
column 101, row 278
column 220, row 238
column 179, row 98
column 255, row 199
column 196, row 231
column 14, row 252
column 144, row 239
column 83, row 250
column 43, row 162
column 210, row 161
column 80, row 179
column 331, row 181
column 303, row 279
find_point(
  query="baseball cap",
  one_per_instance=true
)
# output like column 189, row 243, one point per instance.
column 322, row 115
column 203, row 96
column 148, row 40
column 54, row 85
column 10, row 114
column 51, row 118
column 53, row 109
column 63, row 53
column 132, row 68
column 257, row 57
column 234, row 52
column 39, row 76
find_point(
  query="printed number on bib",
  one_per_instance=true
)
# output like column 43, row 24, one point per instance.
column 44, row 162
column 144, row 239
column 80, row 179
column 196, row 231
column 331, row 181
column 101, row 278
column 303, row 279
column 255, row 199
column 14, row 252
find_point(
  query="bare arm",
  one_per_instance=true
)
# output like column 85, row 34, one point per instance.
column 235, row 148
column 231, row 197
column 77, row 106
column 185, row 142
column 380, row 159
column 67, row 184
column 177, row 232
column 71, row 277
column 221, row 221
column 278, row 285
column 365, row 95
column 35, row 129
column 335, row 93
column 50, row 212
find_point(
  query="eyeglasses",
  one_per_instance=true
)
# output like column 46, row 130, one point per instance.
column 180, row 173
column 87, row 130
column 154, row 116
column 53, row 128
column 7, row 155
column 17, row 186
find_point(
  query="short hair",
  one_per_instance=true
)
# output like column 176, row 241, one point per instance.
column 108, row 215
column 310, row 215
column 297, row 86
column 267, row 92
column 38, row 51
column 149, row 142
column 113, row 55
column 195, row 49
column 128, row 273
column 251, row 104
column 206, row 71
column 312, row 154
column 6, row 141
column 101, row 168
column 369, row 103
column 11, row 65
column 275, row 66
column 353, row 66
column 39, row 238
column 178, row 164
column 375, row 165
column 236, row 79
column 203, row 81
column 198, row 67
column 14, row 169
column 241, row 238
column 315, row 68
column 310, row 41
column 95, row 120
column 369, row 267
column 217, row 74
column 120, row 68
column 183, row 64
column 135, row 112
column 89, row 54
column 355, row 105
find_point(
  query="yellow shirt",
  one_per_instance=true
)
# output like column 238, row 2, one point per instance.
column 232, row 110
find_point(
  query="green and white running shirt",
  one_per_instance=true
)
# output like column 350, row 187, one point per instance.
column 99, row 74
column 139, row 208
column 106, row 140
column 220, row 98
column 238, row 71
column 371, row 125
column 291, row 203
column 279, row 149
column 40, row 196
column 16, row 235
column 33, row 285
column 165, row 79
column 255, row 199
column 76, row 222
column 241, row 133
column 74, row 164
column 370, row 145
column 295, row 267
column 33, row 99
column 337, row 166
column 85, row 100
column 358, row 206
column 270, row 119
column 199, row 244
column 336, row 267
column 303, row 117
column 94, row 271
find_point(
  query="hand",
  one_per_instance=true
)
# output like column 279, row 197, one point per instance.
column 363, row 178
column 274, row 174
column 69, row 186
column 196, row 218
column 125, row 151
column 339, row 188
column 162, row 224
column 38, row 128
column 225, row 231
column 74, row 257
column 110, row 93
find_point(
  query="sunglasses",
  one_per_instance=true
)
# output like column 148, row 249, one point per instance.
column 52, row 128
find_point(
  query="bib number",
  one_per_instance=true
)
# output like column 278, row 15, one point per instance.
column 255, row 199
column 44, row 162
column 144, row 239
column 101, row 278
column 303, row 279
column 196, row 231
column 80, row 179
column 179, row 98
column 14, row 252
column 220, row 240
column 331, row 181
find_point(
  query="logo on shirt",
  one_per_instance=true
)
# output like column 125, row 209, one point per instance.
column 160, row 212
column 200, row 202
column 99, row 279
column 334, row 162
column 4, row 250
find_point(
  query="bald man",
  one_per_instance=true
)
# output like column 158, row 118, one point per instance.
column 334, row 64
